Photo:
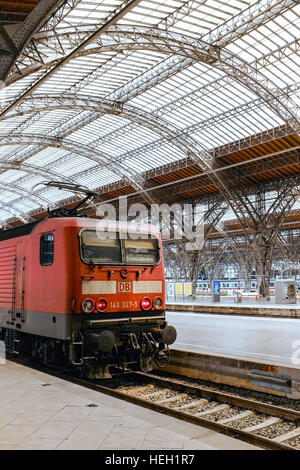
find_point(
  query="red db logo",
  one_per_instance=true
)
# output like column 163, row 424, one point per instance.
column 124, row 286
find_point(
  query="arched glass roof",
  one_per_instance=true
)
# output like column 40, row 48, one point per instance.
column 104, row 91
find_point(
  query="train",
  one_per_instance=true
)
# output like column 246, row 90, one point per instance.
column 86, row 297
column 228, row 285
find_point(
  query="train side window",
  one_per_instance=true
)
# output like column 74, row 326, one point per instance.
column 47, row 249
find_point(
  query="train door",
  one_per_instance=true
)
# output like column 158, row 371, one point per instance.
column 7, row 277
column 19, row 288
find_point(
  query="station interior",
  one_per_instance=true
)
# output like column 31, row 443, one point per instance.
column 149, row 225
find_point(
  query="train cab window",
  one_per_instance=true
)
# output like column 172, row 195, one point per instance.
column 97, row 248
column 47, row 249
column 142, row 251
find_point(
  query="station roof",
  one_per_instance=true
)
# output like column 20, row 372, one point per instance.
column 127, row 96
column 16, row 11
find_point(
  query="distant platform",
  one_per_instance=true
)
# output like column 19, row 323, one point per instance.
column 39, row 411
column 269, row 340
column 227, row 306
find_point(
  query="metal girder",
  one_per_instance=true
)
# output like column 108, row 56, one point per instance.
column 250, row 18
column 75, row 148
column 15, row 211
column 149, row 120
column 211, row 199
column 283, row 161
column 32, row 169
column 110, row 20
column 251, row 141
column 247, row 20
column 148, row 79
column 132, row 37
column 220, row 226
column 138, row 38
column 246, row 142
column 40, row 103
column 44, row 103
column 189, row 261
column 180, row 12
column 186, row 184
column 263, row 224
column 15, row 189
column 57, row 142
column 17, row 39
column 87, row 118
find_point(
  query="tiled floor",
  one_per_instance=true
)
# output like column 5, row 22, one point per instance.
column 42, row 412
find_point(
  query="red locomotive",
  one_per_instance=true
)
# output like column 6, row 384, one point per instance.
column 71, row 296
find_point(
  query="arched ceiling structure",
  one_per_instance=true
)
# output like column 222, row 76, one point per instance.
column 103, row 93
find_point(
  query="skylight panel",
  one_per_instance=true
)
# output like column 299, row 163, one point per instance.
column 46, row 156
column 10, row 176
column 97, row 178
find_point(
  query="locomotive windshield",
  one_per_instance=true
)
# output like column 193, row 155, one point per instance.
column 141, row 251
column 113, row 250
column 96, row 250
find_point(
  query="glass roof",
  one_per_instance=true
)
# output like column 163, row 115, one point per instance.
column 93, row 115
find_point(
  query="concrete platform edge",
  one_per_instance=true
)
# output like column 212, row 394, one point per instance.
column 238, row 310
column 268, row 378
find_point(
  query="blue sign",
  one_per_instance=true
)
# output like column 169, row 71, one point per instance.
column 217, row 287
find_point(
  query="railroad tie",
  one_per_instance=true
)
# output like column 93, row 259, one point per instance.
column 156, row 394
column 203, row 401
column 237, row 417
column 264, row 424
column 289, row 435
column 168, row 400
column 216, row 409
column 140, row 388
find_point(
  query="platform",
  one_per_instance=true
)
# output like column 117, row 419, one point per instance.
column 272, row 340
column 39, row 411
column 227, row 306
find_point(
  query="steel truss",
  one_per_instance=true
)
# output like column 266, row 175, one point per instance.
column 116, row 38
column 190, row 262
column 16, row 41
column 182, row 51
column 278, row 106
column 176, row 186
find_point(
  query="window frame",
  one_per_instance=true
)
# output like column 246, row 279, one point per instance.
column 122, row 250
column 141, row 264
column 111, row 263
column 42, row 249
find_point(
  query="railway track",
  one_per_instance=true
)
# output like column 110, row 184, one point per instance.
column 261, row 424
column 264, row 425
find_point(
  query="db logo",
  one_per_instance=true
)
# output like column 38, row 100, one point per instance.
column 124, row 286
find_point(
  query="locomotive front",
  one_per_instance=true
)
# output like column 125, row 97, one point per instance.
column 120, row 307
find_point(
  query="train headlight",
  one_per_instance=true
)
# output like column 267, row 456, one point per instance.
column 146, row 303
column 157, row 303
column 101, row 305
column 87, row 305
